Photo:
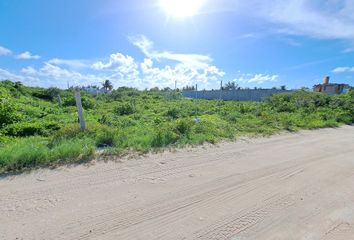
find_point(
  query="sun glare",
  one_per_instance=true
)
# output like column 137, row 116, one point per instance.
column 181, row 8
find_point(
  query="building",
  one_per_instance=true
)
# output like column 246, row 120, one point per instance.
column 330, row 88
column 95, row 90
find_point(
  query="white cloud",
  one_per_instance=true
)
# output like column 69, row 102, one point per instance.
column 260, row 78
column 122, row 69
column 51, row 75
column 72, row 63
column 29, row 71
column 7, row 75
column 27, row 56
column 184, row 74
column 256, row 78
column 4, row 51
column 343, row 69
column 348, row 50
column 330, row 19
column 28, row 80
column 147, row 47
column 116, row 62
column 186, row 69
column 143, row 43
column 249, row 36
column 159, row 68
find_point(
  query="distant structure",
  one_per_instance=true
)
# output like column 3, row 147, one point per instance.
column 330, row 88
column 95, row 90
column 234, row 95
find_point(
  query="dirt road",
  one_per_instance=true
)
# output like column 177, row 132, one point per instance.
column 291, row 186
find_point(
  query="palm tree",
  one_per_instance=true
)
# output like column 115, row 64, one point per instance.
column 107, row 85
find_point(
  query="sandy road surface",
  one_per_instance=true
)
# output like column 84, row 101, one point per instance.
column 291, row 186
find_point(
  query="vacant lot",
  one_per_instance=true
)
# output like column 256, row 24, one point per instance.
column 35, row 131
column 291, row 186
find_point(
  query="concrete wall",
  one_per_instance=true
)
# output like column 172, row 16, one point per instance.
column 233, row 95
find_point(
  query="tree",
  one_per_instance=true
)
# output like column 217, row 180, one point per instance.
column 107, row 85
column 188, row 88
column 283, row 87
column 52, row 92
column 230, row 86
column 18, row 85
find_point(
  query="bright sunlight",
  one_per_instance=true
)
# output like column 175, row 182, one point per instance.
column 181, row 8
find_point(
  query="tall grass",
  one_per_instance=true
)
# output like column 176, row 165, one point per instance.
column 36, row 151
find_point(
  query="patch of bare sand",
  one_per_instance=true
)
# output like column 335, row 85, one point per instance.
column 290, row 186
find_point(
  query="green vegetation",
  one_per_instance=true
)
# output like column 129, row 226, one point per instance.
column 36, row 131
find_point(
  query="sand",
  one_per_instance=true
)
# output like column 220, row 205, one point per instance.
column 289, row 186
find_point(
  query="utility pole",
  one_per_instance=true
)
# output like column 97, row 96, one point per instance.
column 175, row 86
column 80, row 109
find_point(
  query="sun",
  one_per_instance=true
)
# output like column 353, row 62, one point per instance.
column 181, row 8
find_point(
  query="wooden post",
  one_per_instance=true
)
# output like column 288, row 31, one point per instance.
column 80, row 110
column 196, row 91
column 59, row 101
column 220, row 90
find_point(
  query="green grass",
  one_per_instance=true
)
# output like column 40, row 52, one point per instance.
column 35, row 131
column 35, row 151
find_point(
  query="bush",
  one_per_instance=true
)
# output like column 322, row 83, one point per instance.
column 173, row 113
column 106, row 137
column 71, row 131
column 184, row 126
column 26, row 129
column 125, row 109
column 290, row 102
column 73, row 150
column 163, row 137
column 87, row 103
column 46, row 94
column 8, row 112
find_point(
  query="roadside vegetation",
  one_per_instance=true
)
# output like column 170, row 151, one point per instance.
column 35, row 130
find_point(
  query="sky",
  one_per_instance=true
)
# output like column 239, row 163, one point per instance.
column 149, row 43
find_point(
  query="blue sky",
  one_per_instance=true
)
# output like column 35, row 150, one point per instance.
column 138, row 43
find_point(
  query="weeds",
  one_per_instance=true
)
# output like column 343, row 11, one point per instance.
column 36, row 131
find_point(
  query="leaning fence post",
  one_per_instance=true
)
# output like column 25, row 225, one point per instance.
column 221, row 90
column 80, row 110
column 196, row 91
column 59, row 101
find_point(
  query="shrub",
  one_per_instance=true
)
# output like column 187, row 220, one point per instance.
column 290, row 102
column 87, row 103
column 46, row 94
column 125, row 109
column 184, row 126
column 164, row 137
column 71, row 131
column 26, row 129
column 8, row 112
column 173, row 113
column 73, row 150
column 106, row 137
